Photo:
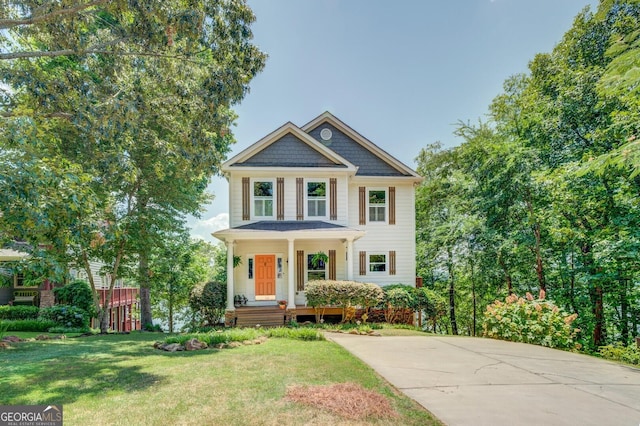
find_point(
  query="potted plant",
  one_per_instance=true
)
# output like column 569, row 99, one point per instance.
column 237, row 300
column 282, row 304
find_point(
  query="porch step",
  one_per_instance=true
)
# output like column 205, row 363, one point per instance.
column 266, row 316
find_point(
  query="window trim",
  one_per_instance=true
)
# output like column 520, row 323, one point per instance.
column 273, row 198
column 386, row 263
column 307, row 270
column 369, row 205
column 306, row 197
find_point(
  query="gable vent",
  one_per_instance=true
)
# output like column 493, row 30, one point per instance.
column 325, row 134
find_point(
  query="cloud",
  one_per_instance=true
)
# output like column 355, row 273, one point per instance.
column 203, row 228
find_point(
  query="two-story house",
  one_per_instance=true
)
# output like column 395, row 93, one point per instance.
column 320, row 188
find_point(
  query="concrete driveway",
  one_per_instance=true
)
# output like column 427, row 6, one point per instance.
column 474, row 381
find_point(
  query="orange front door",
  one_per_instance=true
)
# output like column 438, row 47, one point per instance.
column 265, row 276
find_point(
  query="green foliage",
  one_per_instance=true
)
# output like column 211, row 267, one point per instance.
column 69, row 330
column 18, row 312
column 40, row 324
column 432, row 304
column 77, row 293
column 302, row 333
column 3, row 328
column 345, row 294
column 66, row 316
column 399, row 300
column 209, row 301
column 539, row 322
column 218, row 337
column 627, row 354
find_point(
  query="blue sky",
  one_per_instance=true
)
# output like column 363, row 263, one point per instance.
column 401, row 73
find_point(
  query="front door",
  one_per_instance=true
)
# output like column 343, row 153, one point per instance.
column 265, row 265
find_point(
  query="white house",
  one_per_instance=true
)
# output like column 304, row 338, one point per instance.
column 319, row 188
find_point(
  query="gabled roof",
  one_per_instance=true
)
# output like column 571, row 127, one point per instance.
column 288, row 146
column 360, row 157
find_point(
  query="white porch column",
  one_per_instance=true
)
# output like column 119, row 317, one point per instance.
column 230, row 279
column 350, row 259
column 291, row 296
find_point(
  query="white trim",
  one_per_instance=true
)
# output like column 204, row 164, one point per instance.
column 386, row 263
column 309, row 234
column 274, row 197
column 386, row 206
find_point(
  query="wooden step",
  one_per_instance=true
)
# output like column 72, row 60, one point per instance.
column 265, row 316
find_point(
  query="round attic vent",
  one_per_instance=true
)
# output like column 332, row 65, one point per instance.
column 325, row 134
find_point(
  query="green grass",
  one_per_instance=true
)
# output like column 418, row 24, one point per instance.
column 121, row 379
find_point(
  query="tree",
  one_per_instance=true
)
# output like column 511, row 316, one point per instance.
column 146, row 117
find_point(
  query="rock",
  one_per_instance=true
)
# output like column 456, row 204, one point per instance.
column 195, row 345
column 375, row 333
column 354, row 331
column 221, row 346
column 247, row 342
column 173, row 347
column 12, row 339
column 42, row 337
column 59, row 337
column 157, row 345
column 234, row 344
column 4, row 345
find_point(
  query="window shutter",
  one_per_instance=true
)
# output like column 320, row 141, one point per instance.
column 333, row 198
column 299, row 199
column 332, row 264
column 280, row 197
column 362, row 205
column 246, row 205
column 392, row 262
column 392, row 205
column 300, row 270
column 363, row 263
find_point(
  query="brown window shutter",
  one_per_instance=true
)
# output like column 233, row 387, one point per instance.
column 363, row 263
column 299, row 199
column 333, row 198
column 392, row 205
column 392, row 262
column 280, row 197
column 246, row 204
column 362, row 205
column 300, row 270
column 332, row 264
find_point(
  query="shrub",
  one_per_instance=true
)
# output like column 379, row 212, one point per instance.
column 398, row 300
column 77, row 293
column 68, row 330
column 539, row 322
column 308, row 334
column 66, row 316
column 345, row 294
column 432, row 304
column 29, row 325
column 209, row 301
column 629, row 354
column 18, row 312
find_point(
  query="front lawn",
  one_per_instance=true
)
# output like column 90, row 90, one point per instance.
column 122, row 379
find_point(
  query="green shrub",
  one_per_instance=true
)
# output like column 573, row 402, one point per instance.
column 66, row 316
column 344, row 294
column 209, row 301
column 68, row 330
column 18, row 312
column 398, row 300
column 432, row 304
column 217, row 337
column 29, row 325
column 77, row 293
column 539, row 322
column 627, row 354
column 308, row 334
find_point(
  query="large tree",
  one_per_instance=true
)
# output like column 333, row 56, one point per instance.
column 138, row 97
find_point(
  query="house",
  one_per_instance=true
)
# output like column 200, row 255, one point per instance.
column 21, row 290
column 324, row 189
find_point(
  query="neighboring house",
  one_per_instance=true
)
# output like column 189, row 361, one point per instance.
column 320, row 188
column 122, row 309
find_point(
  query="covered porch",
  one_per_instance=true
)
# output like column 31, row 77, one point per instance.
column 273, row 263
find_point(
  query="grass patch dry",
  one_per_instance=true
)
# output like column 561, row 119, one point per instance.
column 122, row 380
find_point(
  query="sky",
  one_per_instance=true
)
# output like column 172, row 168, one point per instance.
column 401, row 73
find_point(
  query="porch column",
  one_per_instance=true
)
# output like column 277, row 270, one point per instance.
column 230, row 282
column 350, row 259
column 291, row 296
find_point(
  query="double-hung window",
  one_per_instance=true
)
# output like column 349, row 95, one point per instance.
column 316, row 199
column 263, row 198
column 377, row 263
column 377, row 205
column 316, row 270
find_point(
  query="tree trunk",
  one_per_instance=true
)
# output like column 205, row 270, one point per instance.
column 452, row 299
column 598, row 312
column 624, row 312
column 145, row 290
column 507, row 276
column 170, row 307
column 537, row 250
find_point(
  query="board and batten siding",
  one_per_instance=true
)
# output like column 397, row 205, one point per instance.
column 383, row 237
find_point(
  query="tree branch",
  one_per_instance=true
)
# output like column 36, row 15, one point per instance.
column 10, row 23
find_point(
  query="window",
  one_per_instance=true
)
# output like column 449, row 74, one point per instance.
column 377, row 205
column 263, row 198
column 317, row 199
column 316, row 270
column 250, row 267
column 377, row 263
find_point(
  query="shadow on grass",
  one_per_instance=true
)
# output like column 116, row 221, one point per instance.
column 61, row 372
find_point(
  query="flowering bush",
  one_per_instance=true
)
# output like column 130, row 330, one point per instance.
column 529, row 320
column 66, row 316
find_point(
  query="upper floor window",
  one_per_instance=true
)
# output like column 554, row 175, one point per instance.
column 316, row 199
column 263, row 198
column 377, row 205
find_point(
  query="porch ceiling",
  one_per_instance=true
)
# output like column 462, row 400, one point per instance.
column 289, row 230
